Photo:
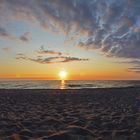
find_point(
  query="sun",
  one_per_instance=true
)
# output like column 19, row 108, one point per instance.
column 63, row 74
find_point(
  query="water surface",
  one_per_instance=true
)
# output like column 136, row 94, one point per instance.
column 71, row 84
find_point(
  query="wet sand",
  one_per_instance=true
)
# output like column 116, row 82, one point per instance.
column 86, row 114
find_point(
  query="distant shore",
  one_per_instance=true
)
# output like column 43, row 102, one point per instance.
column 70, row 114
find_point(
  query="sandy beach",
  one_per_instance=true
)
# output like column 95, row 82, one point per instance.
column 84, row 114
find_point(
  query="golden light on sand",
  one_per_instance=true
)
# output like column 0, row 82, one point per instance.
column 63, row 74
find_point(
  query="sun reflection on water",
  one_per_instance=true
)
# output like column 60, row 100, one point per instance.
column 63, row 84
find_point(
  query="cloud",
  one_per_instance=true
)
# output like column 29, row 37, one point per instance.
column 135, row 69
column 3, row 32
column 107, row 25
column 56, row 57
column 5, row 35
column 136, row 62
column 26, row 37
column 21, row 56
column 135, row 65
column 70, row 59
column 7, row 49
column 50, row 60
column 51, row 52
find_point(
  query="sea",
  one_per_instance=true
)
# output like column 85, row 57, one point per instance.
column 67, row 84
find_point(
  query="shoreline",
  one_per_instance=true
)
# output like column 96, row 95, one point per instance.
column 70, row 89
column 129, row 87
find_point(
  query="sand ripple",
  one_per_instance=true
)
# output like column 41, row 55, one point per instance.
column 86, row 114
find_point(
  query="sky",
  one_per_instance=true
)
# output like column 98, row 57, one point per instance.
column 89, row 39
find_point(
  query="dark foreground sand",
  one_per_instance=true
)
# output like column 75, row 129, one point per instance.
column 87, row 114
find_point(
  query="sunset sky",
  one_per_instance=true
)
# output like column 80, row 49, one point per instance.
column 89, row 39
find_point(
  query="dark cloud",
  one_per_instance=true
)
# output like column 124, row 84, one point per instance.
column 26, row 37
column 111, row 26
column 50, row 60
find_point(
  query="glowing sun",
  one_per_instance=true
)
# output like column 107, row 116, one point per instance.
column 63, row 74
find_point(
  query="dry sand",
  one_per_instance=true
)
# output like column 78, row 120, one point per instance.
column 86, row 114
